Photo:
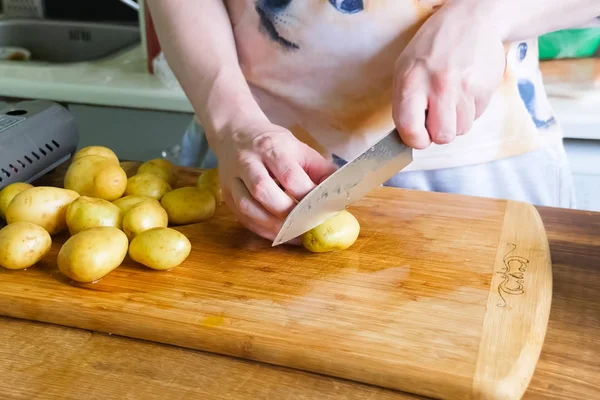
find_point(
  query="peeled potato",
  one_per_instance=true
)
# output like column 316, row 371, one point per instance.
column 96, row 151
column 149, row 185
column 188, row 205
column 92, row 254
column 88, row 212
column 210, row 180
column 143, row 216
column 337, row 233
column 8, row 193
column 125, row 203
column 96, row 176
column 160, row 248
column 23, row 244
column 45, row 206
column 160, row 167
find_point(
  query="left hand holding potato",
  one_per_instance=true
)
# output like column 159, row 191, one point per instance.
column 450, row 69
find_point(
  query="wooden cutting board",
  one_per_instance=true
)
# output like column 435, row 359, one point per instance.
column 442, row 295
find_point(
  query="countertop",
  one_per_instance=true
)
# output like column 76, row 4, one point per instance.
column 42, row 361
column 118, row 81
column 123, row 81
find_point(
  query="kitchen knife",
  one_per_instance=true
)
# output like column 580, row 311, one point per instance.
column 347, row 185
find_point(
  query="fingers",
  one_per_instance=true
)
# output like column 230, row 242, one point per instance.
column 263, row 175
column 481, row 96
column 250, row 213
column 409, row 118
column 435, row 107
column 481, row 104
column 290, row 174
column 465, row 115
column 410, row 105
column 264, row 190
column 316, row 166
column 442, row 118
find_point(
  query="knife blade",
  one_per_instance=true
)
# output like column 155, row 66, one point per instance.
column 347, row 185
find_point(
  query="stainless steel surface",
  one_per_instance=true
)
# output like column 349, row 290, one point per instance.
column 347, row 185
column 67, row 41
column 35, row 137
column 23, row 8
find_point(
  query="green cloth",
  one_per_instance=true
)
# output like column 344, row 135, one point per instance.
column 570, row 43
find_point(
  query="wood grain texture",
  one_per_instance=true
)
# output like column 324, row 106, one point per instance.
column 518, row 307
column 49, row 362
column 45, row 361
column 403, row 308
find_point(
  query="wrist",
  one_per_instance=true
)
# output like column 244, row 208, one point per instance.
column 496, row 15
column 521, row 20
column 229, row 103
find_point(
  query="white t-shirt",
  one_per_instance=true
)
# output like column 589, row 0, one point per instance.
column 324, row 69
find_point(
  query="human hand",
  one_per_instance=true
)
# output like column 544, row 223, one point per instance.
column 447, row 74
column 251, row 156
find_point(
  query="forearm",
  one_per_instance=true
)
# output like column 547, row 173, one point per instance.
column 197, row 40
column 526, row 19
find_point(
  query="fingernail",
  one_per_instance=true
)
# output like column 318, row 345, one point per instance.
column 421, row 145
column 445, row 137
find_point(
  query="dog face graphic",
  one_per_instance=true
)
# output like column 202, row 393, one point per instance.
column 523, row 65
column 330, row 59
column 282, row 18
column 346, row 24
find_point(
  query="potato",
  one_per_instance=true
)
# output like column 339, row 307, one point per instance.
column 160, row 167
column 210, row 180
column 8, row 193
column 143, row 216
column 188, row 205
column 23, row 244
column 96, row 176
column 125, row 203
column 45, row 206
column 160, row 248
column 92, row 254
column 88, row 212
column 337, row 233
column 96, row 151
column 149, row 185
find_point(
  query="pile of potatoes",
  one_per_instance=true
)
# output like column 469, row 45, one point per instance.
column 106, row 215
column 109, row 216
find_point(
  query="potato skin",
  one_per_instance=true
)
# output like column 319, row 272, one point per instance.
column 92, row 254
column 160, row 248
column 210, row 180
column 23, row 245
column 143, row 216
column 101, row 151
column 149, row 185
column 337, row 233
column 45, row 206
column 89, row 212
column 125, row 203
column 160, row 167
column 96, row 176
column 8, row 193
column 188, row 205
